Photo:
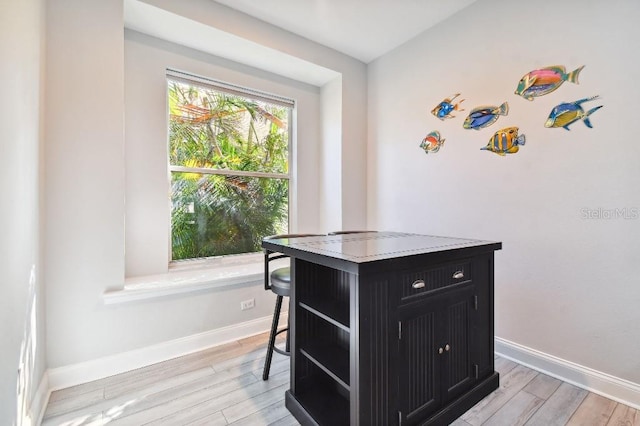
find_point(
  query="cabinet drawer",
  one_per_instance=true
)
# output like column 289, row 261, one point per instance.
column 417, row 283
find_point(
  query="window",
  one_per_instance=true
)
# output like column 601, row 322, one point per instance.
column 229, row 153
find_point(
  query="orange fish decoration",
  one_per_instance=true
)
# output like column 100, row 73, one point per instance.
column 432, row 142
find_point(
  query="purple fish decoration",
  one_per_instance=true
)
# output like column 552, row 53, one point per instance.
column 546, row 80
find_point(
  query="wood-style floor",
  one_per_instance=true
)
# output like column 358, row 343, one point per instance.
column 224, row 385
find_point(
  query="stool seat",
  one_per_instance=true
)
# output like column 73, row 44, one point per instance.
column 281, row 281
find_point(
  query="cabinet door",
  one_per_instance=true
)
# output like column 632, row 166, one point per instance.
column 458, row 373
column 419, row 362
column 435, row 360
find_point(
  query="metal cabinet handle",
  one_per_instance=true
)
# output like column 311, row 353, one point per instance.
column 440, row 350
column 447, row 347
column 418, row 284
column 458, row 274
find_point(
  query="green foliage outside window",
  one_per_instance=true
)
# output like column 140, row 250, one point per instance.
column 216, row 211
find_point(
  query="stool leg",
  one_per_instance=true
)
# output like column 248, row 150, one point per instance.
column 272, row 338
column 287, row 347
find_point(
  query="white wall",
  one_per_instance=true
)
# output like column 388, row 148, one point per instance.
column 22, row 352
column 86, row 183
column 330, row 156
column 84, row 239
column 565, row 285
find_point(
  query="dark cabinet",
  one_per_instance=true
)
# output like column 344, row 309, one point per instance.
column 389, row 337
column 435, row 362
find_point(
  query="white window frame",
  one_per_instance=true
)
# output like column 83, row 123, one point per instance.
column 220, row 86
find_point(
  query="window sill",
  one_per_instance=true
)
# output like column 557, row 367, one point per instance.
column 186, row 280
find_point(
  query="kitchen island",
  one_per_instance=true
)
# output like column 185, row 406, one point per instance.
column 389, row 328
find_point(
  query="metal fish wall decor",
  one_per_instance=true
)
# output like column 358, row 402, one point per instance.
column 444, row 109
column 568, row 113
column 545, row 80
column 538, row 82
column 432, row 142
column 484, row 116
column 505, row 141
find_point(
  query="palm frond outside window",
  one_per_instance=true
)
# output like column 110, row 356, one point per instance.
column 229, row 166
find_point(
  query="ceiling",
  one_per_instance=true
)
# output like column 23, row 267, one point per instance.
column 363, row 29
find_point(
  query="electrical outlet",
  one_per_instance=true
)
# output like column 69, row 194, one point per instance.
column 247, row 304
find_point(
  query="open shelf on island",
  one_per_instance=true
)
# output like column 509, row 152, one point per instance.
column 334, row 311
column 332, row 359
column 325, row 405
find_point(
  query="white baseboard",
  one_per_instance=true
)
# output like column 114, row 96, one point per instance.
column 40, row 400
column 71, row 375
column 595, row 381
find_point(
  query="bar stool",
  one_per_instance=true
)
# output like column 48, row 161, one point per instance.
column 279, row 282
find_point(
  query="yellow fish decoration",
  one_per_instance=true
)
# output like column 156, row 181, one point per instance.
column 505, row 141
column 567, row 113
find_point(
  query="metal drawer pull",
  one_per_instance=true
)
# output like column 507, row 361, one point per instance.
column 418, row 284
column 458, row 274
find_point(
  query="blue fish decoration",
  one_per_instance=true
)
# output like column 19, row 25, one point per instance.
column 484, row 116
column 567, row 113
column 446, row 107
